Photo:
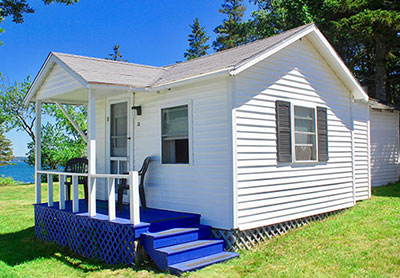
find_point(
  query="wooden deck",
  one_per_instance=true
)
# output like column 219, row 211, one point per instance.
column 152, row 219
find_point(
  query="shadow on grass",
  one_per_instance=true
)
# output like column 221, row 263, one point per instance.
column 389, row 190
column 23, row 246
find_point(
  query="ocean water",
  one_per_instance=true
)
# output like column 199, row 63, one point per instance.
column 19, row 171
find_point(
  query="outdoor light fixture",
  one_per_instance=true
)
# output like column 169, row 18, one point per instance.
column 138, row 110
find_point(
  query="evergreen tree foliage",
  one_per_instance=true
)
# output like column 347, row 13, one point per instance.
column 197, row 41
column 6, row 151
column 365, row 34
column 232, row 32
column 116, row 55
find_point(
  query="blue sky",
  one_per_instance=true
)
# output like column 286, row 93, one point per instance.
column 149, row 32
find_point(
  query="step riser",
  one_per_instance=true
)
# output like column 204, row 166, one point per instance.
column 194, row 254
column 179, row 223
column 175, row 239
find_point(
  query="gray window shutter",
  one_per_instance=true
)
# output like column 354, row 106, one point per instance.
column 322, row 127
column 283, row 131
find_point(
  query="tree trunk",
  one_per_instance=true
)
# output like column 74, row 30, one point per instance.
column 380, row 73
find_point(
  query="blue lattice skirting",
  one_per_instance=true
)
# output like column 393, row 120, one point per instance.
column 109, row 242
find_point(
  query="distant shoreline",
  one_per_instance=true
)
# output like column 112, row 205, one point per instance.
column 19, row 159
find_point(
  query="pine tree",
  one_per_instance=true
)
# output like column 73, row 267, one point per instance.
column 6, row 152
column 116, row 55
column 232, row 31
column 197, row 41
column 365, row 34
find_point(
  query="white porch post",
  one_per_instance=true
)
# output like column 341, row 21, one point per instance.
column 111, row 199
column 91, row 152
column 38, row 152
column 134, row 209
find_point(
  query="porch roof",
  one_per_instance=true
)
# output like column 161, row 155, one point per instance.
column 101, row 72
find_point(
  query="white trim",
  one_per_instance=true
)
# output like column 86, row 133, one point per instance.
column 315, row 37
column 272, row 50
column 51, row 60
column 233, row 148
column 74, row 124
column 369, row 150
column 356, row 87
column 293, row 132
column 92, row 152
column 352, row 149
column 134, row 209
column 38, row 152
column 130, row 132
column 189, row 103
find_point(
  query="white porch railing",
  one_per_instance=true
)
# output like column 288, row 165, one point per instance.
column 134, row 210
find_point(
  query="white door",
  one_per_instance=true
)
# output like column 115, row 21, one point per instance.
column 119, row 135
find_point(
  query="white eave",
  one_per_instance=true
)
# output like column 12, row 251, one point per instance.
column 322, row 45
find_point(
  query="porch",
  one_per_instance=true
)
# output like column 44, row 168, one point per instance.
column 97, row 237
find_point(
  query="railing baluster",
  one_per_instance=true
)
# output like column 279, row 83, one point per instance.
column 50, row 189
column 62, row 192
column 111, row 198
column 92, row 196
column 75, row 194
column 134, row 209
column 38, row 188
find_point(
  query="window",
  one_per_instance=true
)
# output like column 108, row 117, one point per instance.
column 175, row 135
column 305, row 136
column 297, row 139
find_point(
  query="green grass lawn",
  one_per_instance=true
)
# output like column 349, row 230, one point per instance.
column 363, row 241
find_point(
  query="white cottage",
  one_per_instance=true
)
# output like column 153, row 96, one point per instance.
column 269, row 132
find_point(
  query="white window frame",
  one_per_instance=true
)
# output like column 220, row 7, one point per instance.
column 293, row 132
column 190, row 131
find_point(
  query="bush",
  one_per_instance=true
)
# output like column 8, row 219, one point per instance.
column 7, row 181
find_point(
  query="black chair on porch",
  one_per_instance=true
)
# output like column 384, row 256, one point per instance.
column 76, row 165
column 123, row 185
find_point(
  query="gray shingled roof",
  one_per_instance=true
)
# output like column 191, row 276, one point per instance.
column 102, row 71
column 379, row 105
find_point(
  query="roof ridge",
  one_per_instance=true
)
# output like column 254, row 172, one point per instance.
column 242, row 45
column 106, row 60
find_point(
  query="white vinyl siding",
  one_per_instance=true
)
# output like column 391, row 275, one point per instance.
column 384, row 147
column 205, row 185
column 361, row 152
column 271, row 192
column 57, row 83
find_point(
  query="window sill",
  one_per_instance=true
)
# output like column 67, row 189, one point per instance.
column 175, row 164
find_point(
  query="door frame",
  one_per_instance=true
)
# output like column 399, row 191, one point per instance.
column 130, row 130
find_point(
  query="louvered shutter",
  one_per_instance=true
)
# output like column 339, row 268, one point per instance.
column 283, row 131
column 322, row 127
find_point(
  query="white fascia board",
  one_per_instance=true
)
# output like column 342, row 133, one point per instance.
column 337, row 64
column 115, row 87
column 325, row 49
column 51, row 60
column 163, row 87
column 189, row 80
column 279, row 46
column 47, row 65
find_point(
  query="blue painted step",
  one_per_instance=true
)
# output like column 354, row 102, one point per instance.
column 202, row 262
column 176, row 236
column 184, row 248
